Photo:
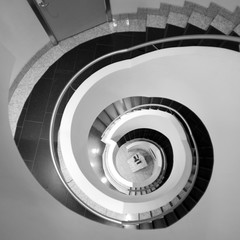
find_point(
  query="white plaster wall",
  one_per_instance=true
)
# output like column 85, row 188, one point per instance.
column 20, row 32
column 129, row 6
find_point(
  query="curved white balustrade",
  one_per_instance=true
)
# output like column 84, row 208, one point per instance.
column 154, row 119
column 73, row 144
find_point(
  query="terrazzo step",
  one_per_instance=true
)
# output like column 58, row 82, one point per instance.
column 189, row 203
column 211, row 42
column 105, row 118
column 201, row 184
column 136, row 101
column 205, row 173
column 206, row 162
column 128, row 103
column 159, row 223
column 99, row 126
column 176, row 22
column 111, row 112
column 171, row 218
column 172, row 31
column 231, row 45
column 196, row 193
column 194, row 18
column 120, row 107
column 154, row 34
column 191, row 30
column 180, row 211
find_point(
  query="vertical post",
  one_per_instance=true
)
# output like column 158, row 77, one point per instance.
column 43, row 22
column 108, row 10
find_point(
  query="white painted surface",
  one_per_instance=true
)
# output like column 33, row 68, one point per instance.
column 29, row 212
column 130, row 6
column 158, row 120
column 153, row 119
column 207, row 81
column 21, row 32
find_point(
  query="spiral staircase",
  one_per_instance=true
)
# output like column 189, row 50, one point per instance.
column 153, row 24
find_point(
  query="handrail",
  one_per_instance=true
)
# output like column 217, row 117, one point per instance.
column 56, row 107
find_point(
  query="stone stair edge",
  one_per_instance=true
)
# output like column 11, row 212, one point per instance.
column 195, row 14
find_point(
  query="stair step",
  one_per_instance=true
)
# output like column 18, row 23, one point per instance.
column 128, row 103
column 120, row 107
column 159, row 223
column 201, row 184
column 196, row 194
column 204, row 173
column 154, row 34
column 189, row 203
column 136, row 101
column 104, row 118
column 211, row 42
column 206, row 162
column 180, row 211
column 171, row 218
column 191, row 30
column 121, row 142
column 231, row 45
column 99, row 126
column 145, row 100
column 139, row 38
column 111, row 111
column 205, row 152
column 172, row 31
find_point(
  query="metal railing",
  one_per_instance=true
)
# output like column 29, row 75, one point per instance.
column 55, row 110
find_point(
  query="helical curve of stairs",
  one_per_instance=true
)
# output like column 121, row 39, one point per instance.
column 168, row 21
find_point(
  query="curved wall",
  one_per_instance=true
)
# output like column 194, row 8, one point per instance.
column 21, row 33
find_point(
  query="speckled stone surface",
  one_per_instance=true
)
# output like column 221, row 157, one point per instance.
column 236, row 16
column 144, row 215
column 153, row 11
column 142, row 13
column 175, row 201
column 213, row 10
column 156, row 21
column 156, row 212
column 199, row 20
column 237, row 30
column 132, row 16
column 27, row 83
column 164, row 9
column 200, row 9
column 70, row 43
column 136, row 25
column 122, row 25
column 166, row 207
column 182, row 10
column 177, row 19
column 222, row 24
column 39, row 67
